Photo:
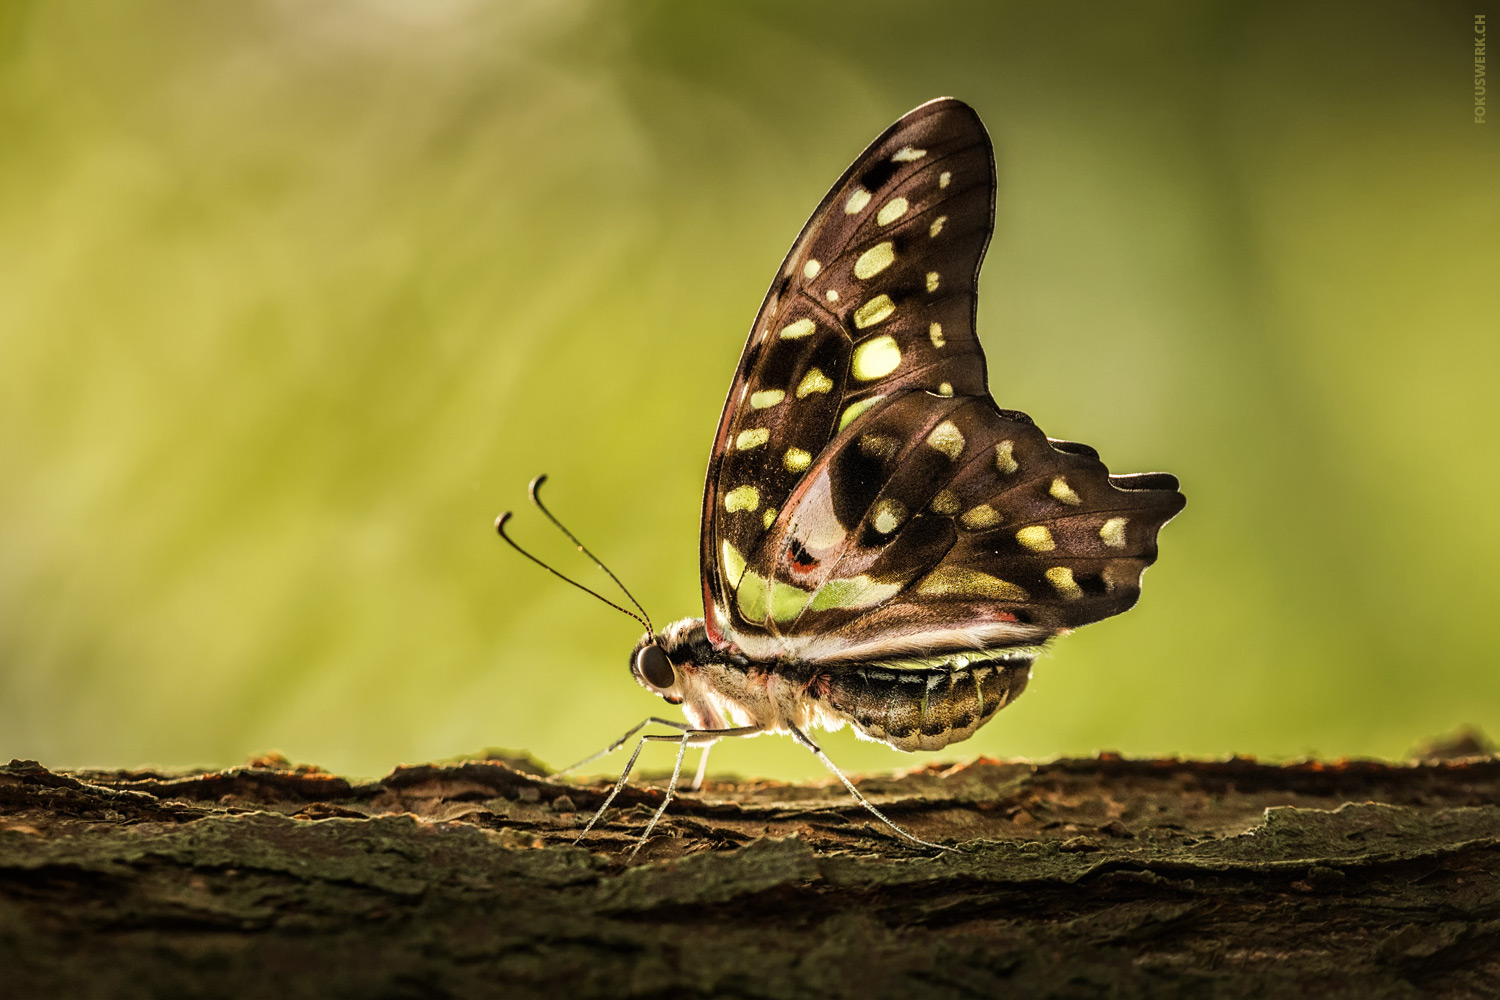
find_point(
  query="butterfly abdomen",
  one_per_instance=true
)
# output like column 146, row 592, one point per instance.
column 924, row 708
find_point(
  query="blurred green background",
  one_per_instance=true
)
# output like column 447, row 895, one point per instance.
column 295, row 298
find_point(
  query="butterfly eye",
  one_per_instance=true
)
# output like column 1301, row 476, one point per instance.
column 654, row 667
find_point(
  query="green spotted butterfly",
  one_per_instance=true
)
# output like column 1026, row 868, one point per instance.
column 882, row 545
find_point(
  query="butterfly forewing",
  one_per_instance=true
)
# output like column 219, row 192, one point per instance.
column 876, row 296
column 866, row 497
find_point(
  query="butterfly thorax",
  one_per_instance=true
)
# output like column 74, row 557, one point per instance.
column 907, row 703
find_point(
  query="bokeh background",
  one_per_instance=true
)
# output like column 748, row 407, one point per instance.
column 295, row 298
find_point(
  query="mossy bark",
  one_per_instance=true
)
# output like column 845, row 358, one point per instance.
column 1078, row 878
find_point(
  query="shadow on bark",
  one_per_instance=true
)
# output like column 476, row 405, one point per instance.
column 1076, row 878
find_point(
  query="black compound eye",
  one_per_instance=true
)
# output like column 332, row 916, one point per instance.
column 655, row 668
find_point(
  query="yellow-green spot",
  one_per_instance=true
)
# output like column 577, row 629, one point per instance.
column 801, row 328
column 944, row 503
column 945, row 388
column 874, row 260
column 980, row 517
column 875, row 358
column 932, row 281
column 1060, row 490
column 935, row 334
column 1004, row 460
column 853, row 410
column 888, row 516
column 752, row 438
column 810, row 269
column 954, row 581
column 857, row 201
column 752, row 596
column 742, row 498
column 937, row 226
column 906, row 154
column 787, row 601
column 795, row 460
column 813, row 381
column 1036, row 538
column 946, row 438
column 853, row 592
column 873, row 311
column 766, row 397
column 944, row 178
column 891, row 211
column 1062, row 579
column 733, row 563
column 831, row 295
column 769, row 517
column 1112, row 532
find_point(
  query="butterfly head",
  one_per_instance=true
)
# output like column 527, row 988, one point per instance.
column 654, row 670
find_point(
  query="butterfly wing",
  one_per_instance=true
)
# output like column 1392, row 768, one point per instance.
column 935, row 525
column 919, row 199
column 844, row 511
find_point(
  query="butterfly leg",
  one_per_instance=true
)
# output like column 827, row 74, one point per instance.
column 624, row 776
column 617, row 744
column 707, row 737
column 702, row 768
column 818, row 752
column 704, row 737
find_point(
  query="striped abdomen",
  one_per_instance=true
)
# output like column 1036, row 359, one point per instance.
column 924, row 708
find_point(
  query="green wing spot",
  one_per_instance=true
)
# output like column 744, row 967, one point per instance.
column 852, row 592
column 875, row 358
column 1061, row 577
column 955, row 581
column 742, row 498
column 853, row 410
column 980, row 517
column 1005, row 459
column 1064, row 493
column 813, row 381
column 797, row 330
column 787, row 601
column 733, row 563
column 1112, row 532
column 874, row 260
column 752, row 438
column 1036, row 538
column 751, row 596
column 948, row 439
column 873, row 311
column 891, row 211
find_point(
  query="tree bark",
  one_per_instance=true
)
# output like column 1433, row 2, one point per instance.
column 1077, row 878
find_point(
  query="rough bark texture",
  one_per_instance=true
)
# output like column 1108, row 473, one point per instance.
column 1078, row 878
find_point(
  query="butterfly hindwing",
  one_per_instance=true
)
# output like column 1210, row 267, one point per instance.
column 937, row 524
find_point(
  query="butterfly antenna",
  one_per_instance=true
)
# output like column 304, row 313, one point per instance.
column 500, row 527
column 536, row 498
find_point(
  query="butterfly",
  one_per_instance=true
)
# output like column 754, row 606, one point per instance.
column 882, row 546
